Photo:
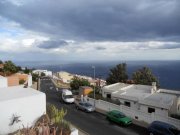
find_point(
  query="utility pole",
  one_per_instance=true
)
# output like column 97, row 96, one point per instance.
column 94, row 80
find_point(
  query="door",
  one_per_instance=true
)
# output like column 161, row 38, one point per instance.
column 81, row 106
column 114, row 118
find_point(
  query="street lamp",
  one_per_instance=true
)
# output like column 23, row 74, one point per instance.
column 94, row 80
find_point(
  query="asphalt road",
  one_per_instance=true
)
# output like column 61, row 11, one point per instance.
column 92, row 123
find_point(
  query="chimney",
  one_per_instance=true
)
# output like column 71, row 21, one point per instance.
column 154, row 88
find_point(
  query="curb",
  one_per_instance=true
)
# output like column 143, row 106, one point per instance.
column 81, row 132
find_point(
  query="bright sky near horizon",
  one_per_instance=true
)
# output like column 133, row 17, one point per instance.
column 85, row 30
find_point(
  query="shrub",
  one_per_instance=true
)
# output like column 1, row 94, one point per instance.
column 21, row 81
column 56, row 116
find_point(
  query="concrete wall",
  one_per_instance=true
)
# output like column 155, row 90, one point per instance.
column 158, row 111
column 13, row 80
column 134, row 105
column 48, row 73
column 174, row 107
column 29, row 80
column 29, row 109
column 139, row 115
column 178, row 105
column 3, row 82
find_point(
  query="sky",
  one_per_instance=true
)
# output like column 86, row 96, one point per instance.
column 87, row 30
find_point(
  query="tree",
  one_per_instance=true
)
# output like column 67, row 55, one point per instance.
column 35, row 77
column 117, row 74
column 26, row 70
column 77, row 82
column 9, row 67
column 43, row 74
column 1, row 62
column 144, row 76
column 19, row 68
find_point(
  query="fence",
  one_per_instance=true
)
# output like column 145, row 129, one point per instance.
column 135, row 114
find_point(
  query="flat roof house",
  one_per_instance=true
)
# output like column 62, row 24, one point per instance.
column 65, row 76
column 146, row 99
column 20, row 106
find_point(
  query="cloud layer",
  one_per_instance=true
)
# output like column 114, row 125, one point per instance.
column 105, row 26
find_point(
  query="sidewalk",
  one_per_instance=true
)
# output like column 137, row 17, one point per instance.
column 80, row 131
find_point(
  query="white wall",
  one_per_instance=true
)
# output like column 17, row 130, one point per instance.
column 134, row 105
column 133, row 113
column 3, row 82
column 158, row 111
column 29, row 80
column 29, row 109
column 48, row 73
column 178, row 106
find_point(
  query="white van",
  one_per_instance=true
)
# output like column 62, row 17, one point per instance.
column 67, row 96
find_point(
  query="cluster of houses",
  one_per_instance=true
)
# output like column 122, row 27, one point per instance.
column 46, row 72
column 66, row 77
column 17, row 101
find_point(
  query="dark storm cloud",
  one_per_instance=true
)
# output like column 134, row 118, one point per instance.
column 100, row 48
column 170, row 46
column 52, row 44
column 102, row 20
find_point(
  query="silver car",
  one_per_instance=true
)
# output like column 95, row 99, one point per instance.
column 85, row 106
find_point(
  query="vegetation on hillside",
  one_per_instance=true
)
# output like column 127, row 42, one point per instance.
column 52, row 123
column 77, row 82
column 10, row 68
column 142, row 76
column 1, row 62
column 118, row 74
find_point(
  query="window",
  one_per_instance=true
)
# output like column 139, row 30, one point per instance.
column 127, row 103
column 151, row 110
column 108, row 95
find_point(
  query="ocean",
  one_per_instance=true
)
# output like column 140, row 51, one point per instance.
column 168, row 72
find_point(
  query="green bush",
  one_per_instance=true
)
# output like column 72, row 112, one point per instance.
column 56, row 116
column 22, row 81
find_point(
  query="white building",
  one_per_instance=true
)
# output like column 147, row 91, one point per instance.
column 146, row 99
column 3, row 82
column 46, row 72
column 65, row 76
column 20, row 106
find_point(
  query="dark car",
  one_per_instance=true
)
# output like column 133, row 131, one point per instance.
column 162, row 128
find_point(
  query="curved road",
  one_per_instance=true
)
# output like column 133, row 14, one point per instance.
column 92, row 123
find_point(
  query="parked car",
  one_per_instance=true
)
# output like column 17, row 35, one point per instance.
column 66, row 96
column 162, row 128
column 85, row 106
column 118, row 117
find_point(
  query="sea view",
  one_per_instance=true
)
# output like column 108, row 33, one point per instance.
column 89, row 39
column 168, row 72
